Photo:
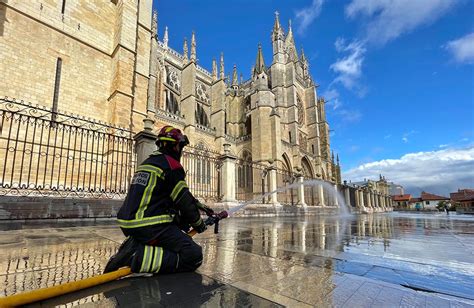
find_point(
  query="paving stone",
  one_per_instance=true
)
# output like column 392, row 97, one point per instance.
column 264, row 262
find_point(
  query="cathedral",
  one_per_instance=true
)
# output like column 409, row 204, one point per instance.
column 274, row 117
column 77, row 90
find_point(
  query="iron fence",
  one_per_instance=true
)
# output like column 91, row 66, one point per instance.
column 203, row 169
column 49, row 153
column 285, row 178
column 311, row 196
column 251, row 181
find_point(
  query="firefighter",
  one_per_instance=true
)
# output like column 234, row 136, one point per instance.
column 158, row 210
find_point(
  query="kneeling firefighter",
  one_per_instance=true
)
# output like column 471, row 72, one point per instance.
column 157, row 211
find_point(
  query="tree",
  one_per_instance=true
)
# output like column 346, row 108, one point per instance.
column 442, row 204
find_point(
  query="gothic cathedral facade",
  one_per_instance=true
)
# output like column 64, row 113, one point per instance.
column 274, row 117
column 115, row 69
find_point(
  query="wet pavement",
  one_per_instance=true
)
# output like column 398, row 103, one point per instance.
column 381, row 260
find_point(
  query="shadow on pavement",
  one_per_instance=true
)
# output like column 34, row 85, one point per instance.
column 178, row 290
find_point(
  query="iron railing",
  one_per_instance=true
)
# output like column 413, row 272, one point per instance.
column 251, row 181
column 202, row 173
column 311, row 196
column 285, row 178
column 49, row 153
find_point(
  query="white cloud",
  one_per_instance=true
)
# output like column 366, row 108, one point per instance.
column 438, row 172
column 332, row 98
column 388, row 19
column 349, row 67
column 350, row 116
column 443, row 145
column 354, row 148
column 333, row 101
column 408, row 134
column 462, row 48
column 304, row 17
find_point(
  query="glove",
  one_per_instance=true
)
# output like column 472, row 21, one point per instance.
column 205, row 208
column 199, row 226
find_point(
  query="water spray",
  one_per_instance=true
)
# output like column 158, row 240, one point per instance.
column 340, row 200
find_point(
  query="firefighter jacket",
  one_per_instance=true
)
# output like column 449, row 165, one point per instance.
column 157, row 193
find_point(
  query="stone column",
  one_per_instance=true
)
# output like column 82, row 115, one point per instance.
column 145, row 141
column 369, row 200
column 272, row 173
column 347, row 196
column 336, row 192
column 300, row 180
column 356, row 200
column 228, row 175
column 322, row 235
column 321, row 195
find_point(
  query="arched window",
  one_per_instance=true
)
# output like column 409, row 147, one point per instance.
column 245, row 176
column 203, row 165
column 172, row 105
column 306, row 168
column 201, row 116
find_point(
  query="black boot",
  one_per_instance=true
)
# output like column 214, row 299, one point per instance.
column 124, row 255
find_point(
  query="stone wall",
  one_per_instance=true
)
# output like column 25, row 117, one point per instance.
column 29, row 53
column 104, row 47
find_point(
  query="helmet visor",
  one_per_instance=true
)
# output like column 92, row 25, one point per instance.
column 184, row 141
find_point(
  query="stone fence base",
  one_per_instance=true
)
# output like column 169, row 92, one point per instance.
column 20, row 208
column 45, row 208
column 269, row 210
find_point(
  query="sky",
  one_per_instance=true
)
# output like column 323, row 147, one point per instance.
column 398, row 76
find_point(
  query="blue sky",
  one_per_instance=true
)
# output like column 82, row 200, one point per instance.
column 398, row 74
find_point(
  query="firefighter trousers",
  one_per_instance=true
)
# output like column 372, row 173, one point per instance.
column 170, row 251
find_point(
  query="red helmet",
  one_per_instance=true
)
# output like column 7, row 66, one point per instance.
column 171, row 134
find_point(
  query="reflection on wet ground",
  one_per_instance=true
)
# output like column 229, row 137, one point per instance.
column 414, row 260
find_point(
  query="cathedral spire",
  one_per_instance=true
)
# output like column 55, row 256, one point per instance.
column 304, row 63
column 165, row 37
column 185, row 50
column 214, row 69
column 277, row 33
column 290, row 43
column 276, row 26
column 193, row 47
column 259, row 63
column 303, row 57
column 154, row 23
column 235, row 80
column 222, row 66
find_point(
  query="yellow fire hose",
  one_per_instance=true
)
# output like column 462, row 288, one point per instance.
column 49, row 292
column 46, row 293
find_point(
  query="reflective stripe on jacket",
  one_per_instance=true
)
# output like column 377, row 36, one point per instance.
column 157, row 191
